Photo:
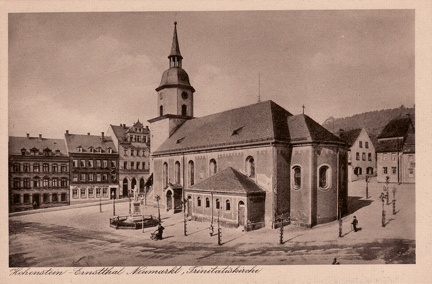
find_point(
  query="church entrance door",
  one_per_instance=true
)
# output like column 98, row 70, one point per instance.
column 241, row 214
column 169, row 200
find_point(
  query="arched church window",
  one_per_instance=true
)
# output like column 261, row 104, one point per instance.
column 324, row 176
column 250, row 166
column 296, row 177
column 165, row 175
column 207, row 202
column 213, row 167
column 191, row 169
column 160, row 110
column 199, row 201
column 217, row 203
column 227, row 205
column 184, row 110
column 177, row 172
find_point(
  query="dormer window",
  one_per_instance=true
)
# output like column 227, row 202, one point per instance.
column 99, row 150
column 91, row 149
column 57, row 152
column 110, row 150
column 80, row 149
column 23, row 151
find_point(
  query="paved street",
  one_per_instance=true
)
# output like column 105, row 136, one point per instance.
column 82, row 237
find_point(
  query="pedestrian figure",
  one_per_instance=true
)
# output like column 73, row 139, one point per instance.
column 159, row 232
column 354, row 224
column 335, row 261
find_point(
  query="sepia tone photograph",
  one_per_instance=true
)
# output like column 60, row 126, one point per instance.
column 210, row 142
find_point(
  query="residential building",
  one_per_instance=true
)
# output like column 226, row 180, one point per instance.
column 133, row 144
column 396, row 152
column 253, row 166
column 361, row 155
column 38, row 173
column 93, row 167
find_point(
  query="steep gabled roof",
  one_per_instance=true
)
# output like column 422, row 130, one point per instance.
column 304, row 129
column 264, row 121
column 39, row 144
column 73, row 141
column 228, row 180
column 350, row 136
column 396, row 128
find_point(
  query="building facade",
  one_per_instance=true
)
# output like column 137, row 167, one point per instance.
column 288, row 166
column 93, row 167
column 396, row 152
column 38, row 173
column 133, row 144
column 361, row 155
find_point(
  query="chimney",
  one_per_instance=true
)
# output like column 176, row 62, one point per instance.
column 28, row 135
column 40, row 136
column 103, row 137
column 67, row 132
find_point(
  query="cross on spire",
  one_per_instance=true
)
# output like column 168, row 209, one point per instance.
column 303, row 108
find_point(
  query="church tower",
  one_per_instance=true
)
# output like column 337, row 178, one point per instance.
column 175, row 98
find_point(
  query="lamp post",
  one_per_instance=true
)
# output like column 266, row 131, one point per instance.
column 367, row 187
column 113, row 198
column 157, row 200
column 219, row 230
column 184, row 218
column 100, row 203
column 383, row 212
column 394, row 200
column 142, row 212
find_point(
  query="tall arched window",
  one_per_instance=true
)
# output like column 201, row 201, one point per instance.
column 191, row 171
column 184, row 110
column 213, row 167
column 199, row 201
column 217, row 203
column 227, row 205
column 160, row 110
column 177, row 171
column 207, row 202
column 296, row 177
column 324, row 176
column 250, row 167
column 165, row 175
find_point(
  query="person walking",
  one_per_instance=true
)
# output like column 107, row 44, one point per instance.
column 354, row 223
column 160, row 230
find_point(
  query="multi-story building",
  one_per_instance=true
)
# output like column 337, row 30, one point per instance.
column 133, row 144
column 38, row 173
column 93, row 167
column 396, row 152
column 361, row 156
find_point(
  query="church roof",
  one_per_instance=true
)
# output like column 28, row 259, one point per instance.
column 175, row 77
column 350, row 136
column 175, row 47
column 228, row 180
column 264, row 121
column 303, row 129
column 16, row 144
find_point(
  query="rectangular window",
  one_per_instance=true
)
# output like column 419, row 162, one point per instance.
column 82, row 177
column 75, row 177
column 105, row 164
column 26, row 168
column 104, row 177
column 64, row 168
column 16, row 168
column 369, row 156
column 83, row 193
column 357, row 156
column 137, row 165
column 63, row 182
column 98, row 177
column 46, row 198
column 16, row 199
column 105, row 192
column 90, row 177
column 98, row 163
column 98, row 192
column 45, row 168
column 36, row 183
column 82, row 163
column 411, row 172
column 364, row 156
column 63, row 197
column 132, row 165
column 393, row 155
column 54, row 168
column 125, row 165
column 16, row 183
column 367, row 145
column 90, row 192
column 54, row 197
column 74, row 163
column 113, row 164
column 394, row 170
column 384, row 170
column 55, row 182
column 360, row 144
column 74, row 193
column 26, row 183
column 90, row 163
column 26, row 198
column 385, row 157
column 36, row 168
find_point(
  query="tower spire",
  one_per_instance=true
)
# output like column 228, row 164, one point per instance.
column 175, row 57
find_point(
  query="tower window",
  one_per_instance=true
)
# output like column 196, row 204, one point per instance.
column 324, row 175
column 296, row 172
column 213, row 167
column 165, row 175
column 191, row 173
column 250, row 167
column 177, row 172
column 160, row 110
column 184, row 110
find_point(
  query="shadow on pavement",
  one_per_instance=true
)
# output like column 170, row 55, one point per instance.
column 356, row 203
column 233, row 239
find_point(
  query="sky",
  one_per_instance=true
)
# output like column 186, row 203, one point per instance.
column 84, row 71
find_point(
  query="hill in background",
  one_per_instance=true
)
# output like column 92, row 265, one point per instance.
column 372, row 121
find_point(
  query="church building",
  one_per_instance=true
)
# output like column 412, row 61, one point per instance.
column 251, row 166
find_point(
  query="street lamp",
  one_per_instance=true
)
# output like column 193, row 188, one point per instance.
column 157, row 199
column 113, row 198
column 367, row 188
column 394, row 200
column 100, row 203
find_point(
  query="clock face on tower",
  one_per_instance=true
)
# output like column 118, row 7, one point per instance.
column 184, row 95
